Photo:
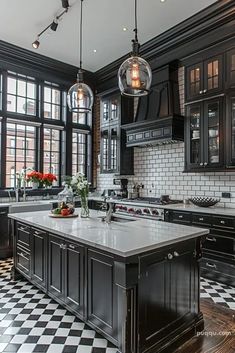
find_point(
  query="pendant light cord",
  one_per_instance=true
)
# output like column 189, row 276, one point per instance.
column 135, row 30
column 81, row 36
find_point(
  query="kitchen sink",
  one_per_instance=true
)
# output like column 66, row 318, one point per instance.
column 29, row 206
column 119, row 219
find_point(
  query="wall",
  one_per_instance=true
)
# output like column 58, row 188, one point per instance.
column 160, row 169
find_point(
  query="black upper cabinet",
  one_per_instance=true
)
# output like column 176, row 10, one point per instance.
column 115, row 156
column 204, row 79
column 5, row 239
column 230, row 131
column 230, row 72
column 204, row 133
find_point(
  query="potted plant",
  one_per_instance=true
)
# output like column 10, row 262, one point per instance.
column 80, row 183
column 48, row 179
column 35, row 178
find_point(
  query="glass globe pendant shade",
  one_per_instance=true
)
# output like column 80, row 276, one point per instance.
column 80, row 98
column 134, row 77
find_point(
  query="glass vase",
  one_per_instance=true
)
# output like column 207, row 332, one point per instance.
column 84, row 207
column 35, row 185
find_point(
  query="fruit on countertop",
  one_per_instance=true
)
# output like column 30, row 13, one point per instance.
column 63, row 209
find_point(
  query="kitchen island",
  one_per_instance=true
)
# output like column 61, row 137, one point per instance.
column 135, row 281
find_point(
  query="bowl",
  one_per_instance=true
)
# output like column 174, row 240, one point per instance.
column 204, row 201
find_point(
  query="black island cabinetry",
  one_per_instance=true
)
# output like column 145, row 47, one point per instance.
column 147, row 302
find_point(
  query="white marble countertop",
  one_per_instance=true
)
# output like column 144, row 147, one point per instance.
column 124, row 239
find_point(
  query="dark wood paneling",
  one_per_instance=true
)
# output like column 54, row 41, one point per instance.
column 39, row 257
column 56, row 266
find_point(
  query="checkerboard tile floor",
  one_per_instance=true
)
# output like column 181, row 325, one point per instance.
column 219, row 293
column 32, row 322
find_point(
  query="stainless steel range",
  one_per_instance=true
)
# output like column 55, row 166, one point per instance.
column 144, row 207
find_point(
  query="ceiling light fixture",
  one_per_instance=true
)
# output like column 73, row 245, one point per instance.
column 135, row 75
column 53, row 26
column 65, row 4
column 80, row 96
column 124, row 29
column 94, row 50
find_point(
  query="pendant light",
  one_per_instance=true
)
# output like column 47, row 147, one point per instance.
column 80, row 96
column 135, row 75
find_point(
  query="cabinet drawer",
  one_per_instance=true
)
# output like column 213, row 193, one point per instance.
column 202, row 219
column 220, row 244
column 181, row 217
column 23, row 235
column 23, row 260
column 218, row 271
column 223, row 222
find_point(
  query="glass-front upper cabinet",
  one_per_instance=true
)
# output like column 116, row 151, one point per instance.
column 230, row 68
column 213, row 124
column 204, row 78
column 194, row 141
column 204, row 125
column 110, row 109
column 230, row 131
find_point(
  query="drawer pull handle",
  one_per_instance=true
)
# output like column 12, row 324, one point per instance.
column 210, row 265
column 211, row 239
column 222, row 222
column 169, row 256
column 201, row 219
column 72, row 246
column 3, row 213
column 180, row 216
column 37, row 233
column 176, row 254
column 22, row 229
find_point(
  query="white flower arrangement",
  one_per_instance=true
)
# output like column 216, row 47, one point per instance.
column 81, row 185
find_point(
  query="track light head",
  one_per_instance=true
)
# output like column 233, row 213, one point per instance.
column 54, row 25
column 65, row 4
column 36, row 44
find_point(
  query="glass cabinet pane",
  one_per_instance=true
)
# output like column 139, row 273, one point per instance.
column 113, row 149
column 213, row 132
column 233, row 127
column 114, row 109
column 105, row 150
column 195, row 81
column 105, row 111
column 195, row 121
column 213, row 74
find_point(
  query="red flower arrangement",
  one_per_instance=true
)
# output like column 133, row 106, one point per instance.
column 35, row 177
column 42, row 179
column 48, row 179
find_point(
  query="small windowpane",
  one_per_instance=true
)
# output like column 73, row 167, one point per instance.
column 52, row 101
column 21, row 105
column 79, row 141
column 11, row 85
column 31, row 90
column 11, row 103
column 21, row 89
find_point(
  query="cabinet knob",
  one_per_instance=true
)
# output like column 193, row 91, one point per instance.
column 201, row 219
column 201, row 163
column 71, row 246
column 176, row 254
column 205, row 90
column 180, row 217
column 200, row 92
column 169, row 256
column 222, row 222
column 205, row 163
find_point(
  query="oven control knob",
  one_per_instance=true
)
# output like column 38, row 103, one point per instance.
column 124, row 208
column 138, row 211
column 155, row 212
column 131, row 210
column 146, row 210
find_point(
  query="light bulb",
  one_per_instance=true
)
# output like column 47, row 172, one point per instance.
column 80, row 94
column 135, row 75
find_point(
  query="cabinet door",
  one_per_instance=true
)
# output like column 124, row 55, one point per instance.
column 5, row 243
column 213, row 133
column 230, row 130
column 74, row 277
column 39, row 257
column 194, row 81
column 230, row 68
column 194, row 136
column 102, row 297
column 213, row 75
column 56, row 267
column 105, row 111
column 114, row 106
column 113, row 149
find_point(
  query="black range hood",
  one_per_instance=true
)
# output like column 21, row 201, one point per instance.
column 157, row 119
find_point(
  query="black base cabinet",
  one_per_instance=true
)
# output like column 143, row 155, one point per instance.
column 218, row 261
column 143, row 303
column 5, row 234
